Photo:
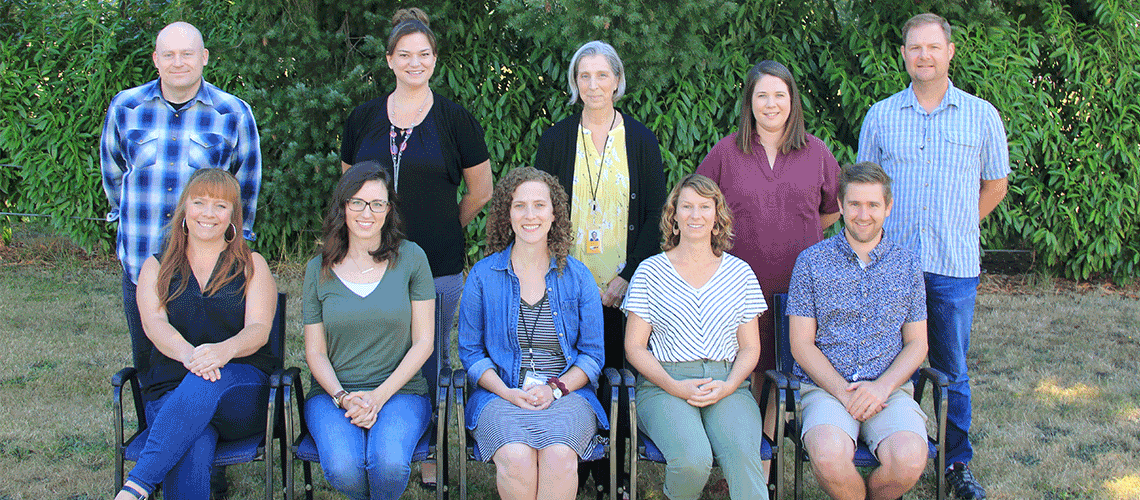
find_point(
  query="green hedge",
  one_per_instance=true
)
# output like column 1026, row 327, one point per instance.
column 1061, row 74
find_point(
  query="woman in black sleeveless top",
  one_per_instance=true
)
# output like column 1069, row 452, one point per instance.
column 207, row 304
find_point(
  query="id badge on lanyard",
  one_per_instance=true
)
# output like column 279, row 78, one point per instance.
column 594, row 231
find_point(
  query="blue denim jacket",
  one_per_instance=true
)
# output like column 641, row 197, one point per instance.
column 488, row 326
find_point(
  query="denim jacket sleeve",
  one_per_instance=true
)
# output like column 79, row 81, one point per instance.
column 472, row 328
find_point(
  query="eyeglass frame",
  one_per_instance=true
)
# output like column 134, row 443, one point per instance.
column 385, row 205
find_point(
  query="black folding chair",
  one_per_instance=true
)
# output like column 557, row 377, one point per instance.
column 863, row 455
column 256, row 447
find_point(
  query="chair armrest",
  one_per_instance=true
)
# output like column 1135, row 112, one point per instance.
column 124, row 375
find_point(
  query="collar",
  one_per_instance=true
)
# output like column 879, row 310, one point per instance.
column 501, row 261
column 881, row 250
column 952, row 97
column 204, row 95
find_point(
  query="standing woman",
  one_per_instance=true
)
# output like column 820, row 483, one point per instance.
column 781, row 184
column 368, row 309
column 207, row 305
column 610, row 165
column 427, row 144
column 530, row 336
column 692, row 337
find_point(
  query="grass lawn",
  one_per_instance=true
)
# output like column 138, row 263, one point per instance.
column 1056, row 412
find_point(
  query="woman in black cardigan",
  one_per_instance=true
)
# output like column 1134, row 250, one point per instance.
column 610, row 165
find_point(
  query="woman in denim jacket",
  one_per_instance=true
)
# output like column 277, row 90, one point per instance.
column 530, row 337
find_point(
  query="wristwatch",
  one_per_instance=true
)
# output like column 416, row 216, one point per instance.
column 338, row 397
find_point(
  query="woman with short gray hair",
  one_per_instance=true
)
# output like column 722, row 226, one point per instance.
column 610, row 165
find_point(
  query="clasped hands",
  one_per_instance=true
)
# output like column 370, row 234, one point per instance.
column 701, row 392
column 864, row 399
column 206, row 361
column 361, row 407
column 531, row 397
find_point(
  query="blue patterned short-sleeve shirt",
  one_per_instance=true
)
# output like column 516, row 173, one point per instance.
column 859, row 311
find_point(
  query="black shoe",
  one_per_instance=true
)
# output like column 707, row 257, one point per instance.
column 963, row 483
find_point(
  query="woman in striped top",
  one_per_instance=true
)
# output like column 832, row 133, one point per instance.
column 530, row 337
column 693, row 335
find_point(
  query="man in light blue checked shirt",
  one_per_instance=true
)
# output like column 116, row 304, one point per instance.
column 946, row 151
column 154, row 137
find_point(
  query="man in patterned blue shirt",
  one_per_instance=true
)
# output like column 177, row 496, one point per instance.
column 857, row 309
column 154, row 137
column 947, row 153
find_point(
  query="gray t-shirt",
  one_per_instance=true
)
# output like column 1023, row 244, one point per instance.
column 368, row 336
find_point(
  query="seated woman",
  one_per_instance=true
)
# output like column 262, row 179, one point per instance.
column 530, row 337
column 368, row 303
column 207, row 304
column 692, row 334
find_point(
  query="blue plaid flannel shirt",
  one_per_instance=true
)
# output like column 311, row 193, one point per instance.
column 149, row 150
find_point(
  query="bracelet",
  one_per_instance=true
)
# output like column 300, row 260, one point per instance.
column 557, row 388
column 338, row 397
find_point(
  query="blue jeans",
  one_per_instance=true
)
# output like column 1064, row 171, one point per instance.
column 950, row 315
column 140, row 343
column 187, row 422
column 368, row 463
column 448, row 289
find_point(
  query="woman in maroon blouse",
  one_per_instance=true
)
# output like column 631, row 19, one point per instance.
column 781, row 184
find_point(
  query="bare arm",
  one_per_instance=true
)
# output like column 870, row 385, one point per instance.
column 826, row 220
column 801, row 340
column 154, row 320
column 317, row 357
column 479, row 187
column 637, row 352
column 991, row 194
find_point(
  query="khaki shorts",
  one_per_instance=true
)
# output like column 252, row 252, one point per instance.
column 901, row 414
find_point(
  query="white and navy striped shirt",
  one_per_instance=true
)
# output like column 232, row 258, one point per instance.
column 691, row 324
column 936, row 161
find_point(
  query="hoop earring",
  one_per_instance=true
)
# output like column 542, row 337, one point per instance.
column 676, row 228
column 231, row 238
column 185, row 230
column 715, row 231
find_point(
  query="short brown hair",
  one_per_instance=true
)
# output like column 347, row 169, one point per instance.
column 706, row 188
column 500, row 234
column 926, row 18
column 864, row 172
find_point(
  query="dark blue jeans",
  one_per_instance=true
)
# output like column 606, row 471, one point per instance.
column 140, row 344
column 950, row 315
column 368, row 463
column 187, row 422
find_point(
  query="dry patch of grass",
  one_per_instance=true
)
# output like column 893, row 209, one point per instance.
column 1056, row 416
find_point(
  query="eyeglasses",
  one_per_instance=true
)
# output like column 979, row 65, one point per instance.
column 377, row 206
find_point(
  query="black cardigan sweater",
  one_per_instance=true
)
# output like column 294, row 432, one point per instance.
column 556, row 151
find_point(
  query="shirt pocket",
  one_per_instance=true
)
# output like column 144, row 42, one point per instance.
column 141, row 147
column 963, row 149
column 568, row 312
column 209, row 150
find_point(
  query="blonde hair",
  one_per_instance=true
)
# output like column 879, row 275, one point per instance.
column 705, row 188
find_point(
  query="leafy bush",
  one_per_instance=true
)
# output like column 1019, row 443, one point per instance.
column 1061, row 74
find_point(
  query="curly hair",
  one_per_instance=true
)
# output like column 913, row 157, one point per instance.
column 500, row 234
column 235, row 259
column 335, row 230
column 705, row 188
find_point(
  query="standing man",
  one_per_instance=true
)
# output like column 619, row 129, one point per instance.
column 155, row 136
column 947, row 153
column 857, row 308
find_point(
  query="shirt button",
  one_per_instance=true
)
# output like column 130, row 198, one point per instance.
column 169, row 189
column 167, row 216
column 631, row 227
column 174, row 138
column 555, row 314
column 633, row 196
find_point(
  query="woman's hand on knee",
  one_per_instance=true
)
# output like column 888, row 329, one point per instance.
column 206, row 361
column 523, row 399
column 688, row 388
